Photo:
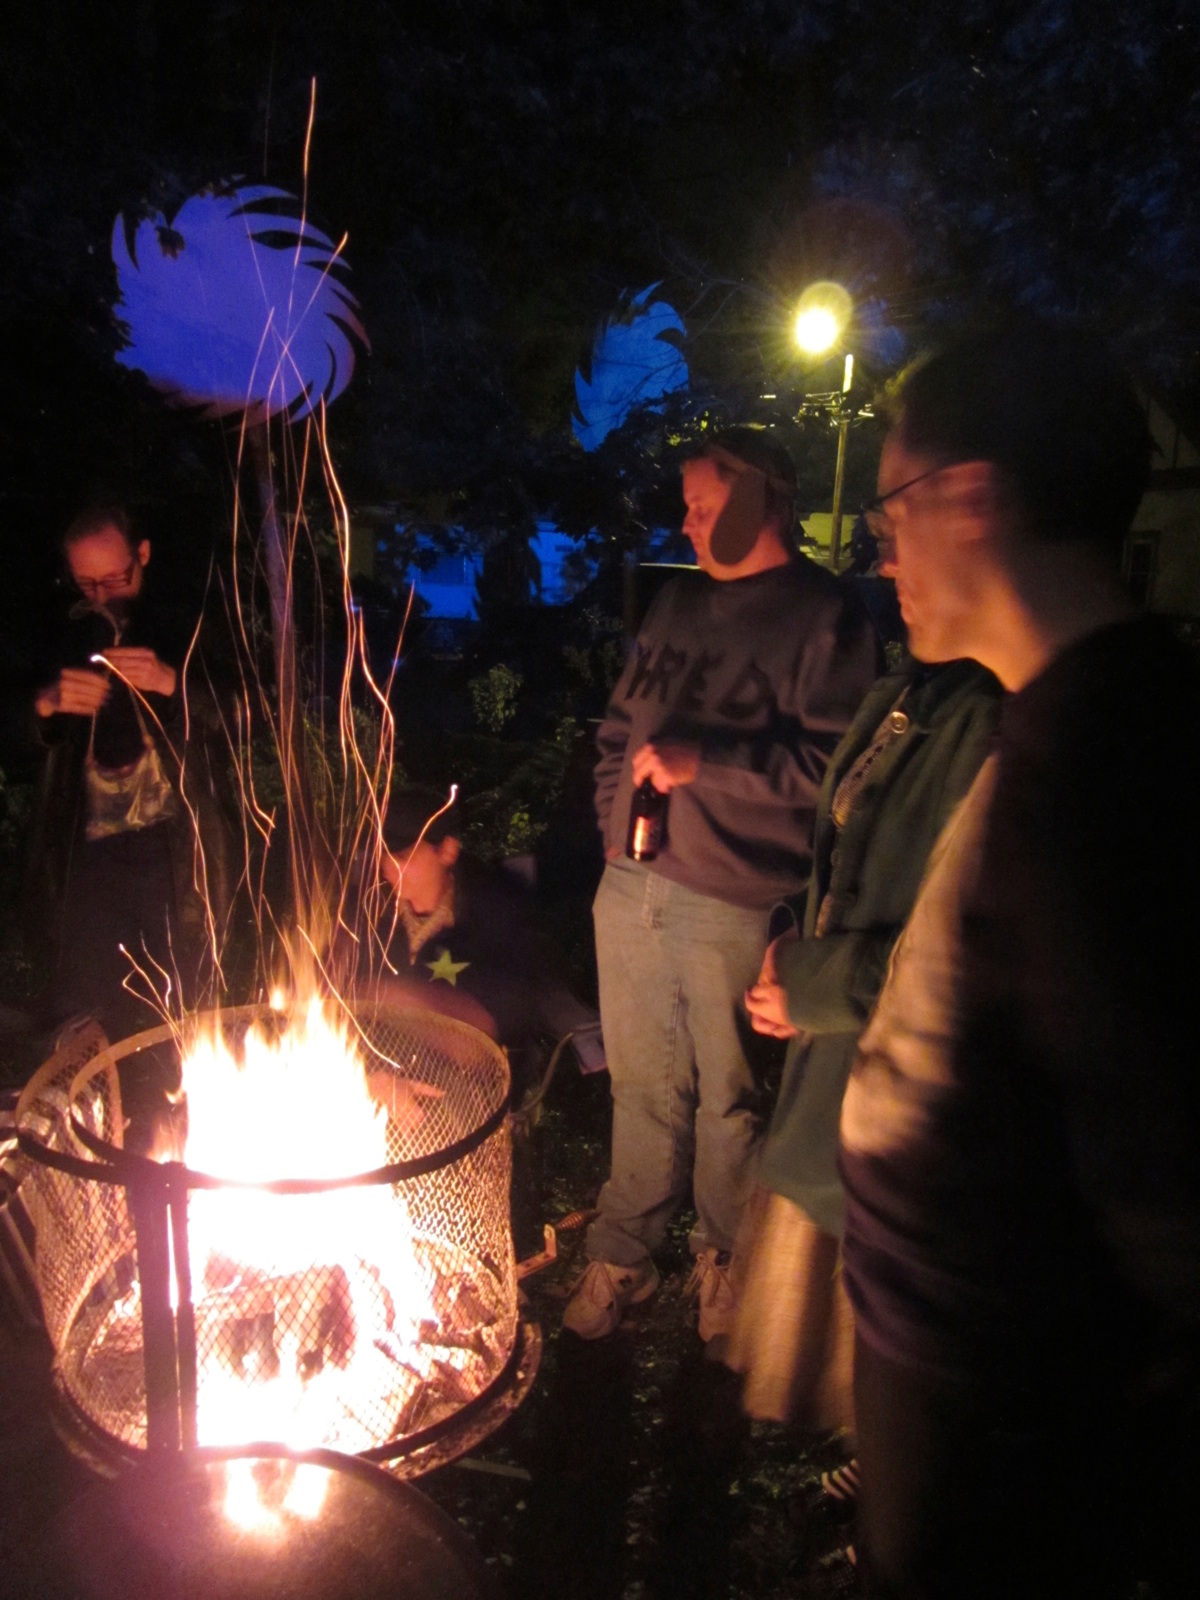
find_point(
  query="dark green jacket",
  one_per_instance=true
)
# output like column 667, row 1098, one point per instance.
column 873, row 873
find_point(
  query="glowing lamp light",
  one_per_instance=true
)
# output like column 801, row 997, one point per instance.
column 816, row 330
column 822, row 314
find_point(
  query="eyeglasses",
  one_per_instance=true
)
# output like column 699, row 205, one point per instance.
column 873, row 512
column 110, row 583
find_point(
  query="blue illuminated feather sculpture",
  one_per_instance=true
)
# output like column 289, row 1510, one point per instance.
column 237, row 304
column 635, row 362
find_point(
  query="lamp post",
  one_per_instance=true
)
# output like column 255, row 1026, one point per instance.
column 821, row 319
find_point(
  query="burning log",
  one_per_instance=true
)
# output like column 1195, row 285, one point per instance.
column 462, row 1312
column 254, row 1324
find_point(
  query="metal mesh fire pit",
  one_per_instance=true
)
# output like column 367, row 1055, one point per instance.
column 375, row 1314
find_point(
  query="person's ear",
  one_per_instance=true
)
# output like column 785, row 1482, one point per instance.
column 142, row 552
column 449, row 850
column 971, row 492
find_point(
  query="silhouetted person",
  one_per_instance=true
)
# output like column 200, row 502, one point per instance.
column 1019, row 1132
column 113, row 853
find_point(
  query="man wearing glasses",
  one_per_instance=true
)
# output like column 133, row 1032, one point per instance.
column 1019, row 1134
column 107, row 850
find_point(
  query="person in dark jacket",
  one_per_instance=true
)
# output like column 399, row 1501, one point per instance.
column 441, row 930
column 113, row 858
column 741, row 682
column 908, row 758
column 1020, row 1126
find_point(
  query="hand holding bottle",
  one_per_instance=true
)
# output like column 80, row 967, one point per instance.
column 667, row 764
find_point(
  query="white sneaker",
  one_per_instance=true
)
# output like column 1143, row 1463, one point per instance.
column 712, row 1288
column 601, row 1295
column 841, row 1483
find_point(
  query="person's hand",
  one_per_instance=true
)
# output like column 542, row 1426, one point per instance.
column 766, row 1001
column 77, row 692
column 667, row 765
column 401, row 1099
column 141, row 669
column 611, row 853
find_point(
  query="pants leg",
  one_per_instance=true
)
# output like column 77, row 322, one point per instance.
column 673, row 968
column 914, row 1450
column 121, row 894
column 717, row 950
column 650, row 1065
column 964, row 1497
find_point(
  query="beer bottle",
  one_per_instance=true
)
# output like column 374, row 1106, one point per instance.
column 647, row 821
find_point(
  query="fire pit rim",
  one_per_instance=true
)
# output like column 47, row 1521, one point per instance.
column 115, row 1164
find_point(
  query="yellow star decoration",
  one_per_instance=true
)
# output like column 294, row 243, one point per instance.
column 446, row 968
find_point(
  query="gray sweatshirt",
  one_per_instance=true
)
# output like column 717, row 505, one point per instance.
column 764, row 673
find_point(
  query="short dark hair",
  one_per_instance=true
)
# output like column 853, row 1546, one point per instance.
column 759, row 448
column 409, row 810
column 1049, row 407
column 95, row 519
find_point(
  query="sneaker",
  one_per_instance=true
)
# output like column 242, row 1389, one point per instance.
column 841, row 1483
column 712, row 1288
column 601, row 1295
column 840, row 1571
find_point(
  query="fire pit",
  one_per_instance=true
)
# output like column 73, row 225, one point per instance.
column 315, row 1248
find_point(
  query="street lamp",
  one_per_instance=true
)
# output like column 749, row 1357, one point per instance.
column 821, row 319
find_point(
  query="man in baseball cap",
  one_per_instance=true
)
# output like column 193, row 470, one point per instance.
column 741, row 682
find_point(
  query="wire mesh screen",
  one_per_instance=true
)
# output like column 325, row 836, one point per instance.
column 320, row 1312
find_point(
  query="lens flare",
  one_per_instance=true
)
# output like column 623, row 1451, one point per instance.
column 823, row 313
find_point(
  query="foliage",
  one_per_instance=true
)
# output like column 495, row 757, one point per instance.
column 494, row 697
column 331, row 771
column 510, row 787
column 635, row 360
column 235, row 305
column 595, row 663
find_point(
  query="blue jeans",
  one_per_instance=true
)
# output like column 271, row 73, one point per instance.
column 686, row 1102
